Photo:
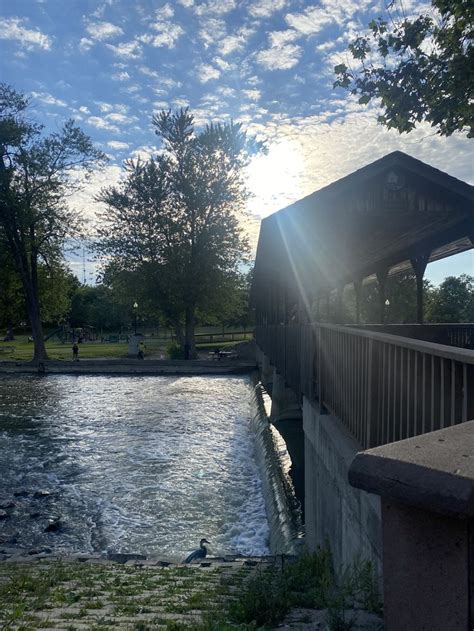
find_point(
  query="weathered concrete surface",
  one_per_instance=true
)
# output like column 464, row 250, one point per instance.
column 285, row 403
column 427, row 489
column 311, row 619
column 426, row 570
column 90, row 592
column 434, row 471
column 336, row 512
column 129, row 367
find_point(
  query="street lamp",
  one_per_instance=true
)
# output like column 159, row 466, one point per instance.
column 135, row 307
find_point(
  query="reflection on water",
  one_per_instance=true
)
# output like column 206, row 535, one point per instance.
column 132, row 464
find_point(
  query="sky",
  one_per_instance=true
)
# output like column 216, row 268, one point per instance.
column 269, row 64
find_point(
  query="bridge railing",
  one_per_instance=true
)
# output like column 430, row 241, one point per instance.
column 383, row 387
column 460, row 335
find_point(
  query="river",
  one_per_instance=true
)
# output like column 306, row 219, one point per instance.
column 130, row 464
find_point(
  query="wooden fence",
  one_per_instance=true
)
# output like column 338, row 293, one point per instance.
column 384, row 387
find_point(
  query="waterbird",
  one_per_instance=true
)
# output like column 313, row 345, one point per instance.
column 200, row 553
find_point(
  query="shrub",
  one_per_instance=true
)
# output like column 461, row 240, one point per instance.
column 174, row 351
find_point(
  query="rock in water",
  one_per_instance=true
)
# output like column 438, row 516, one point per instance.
column 54, row 525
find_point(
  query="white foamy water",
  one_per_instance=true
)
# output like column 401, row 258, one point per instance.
column 132, row 464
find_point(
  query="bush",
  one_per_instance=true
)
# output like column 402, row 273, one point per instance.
column 263, row 600
column 174, row 351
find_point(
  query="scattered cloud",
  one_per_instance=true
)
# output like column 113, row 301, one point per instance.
column 126, row 50
column 118, row 145
column 212, row 30
column 121, row 76
column 206, row 73
column 85, row 44
column 253, row 95
column 48, row 99
column 264, row 8
column 103, row 30
column 217, row 7
column 102, row 123
column 14, row 29
column 279, row 57
column 310, row 21
column 280, row 38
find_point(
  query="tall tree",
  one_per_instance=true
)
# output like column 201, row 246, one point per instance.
column 453, row 300
column 176, row 216
column 419, row 68
column 37, row 172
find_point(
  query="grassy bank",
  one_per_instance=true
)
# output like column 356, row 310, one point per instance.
column 22, row 350
column 75, row 595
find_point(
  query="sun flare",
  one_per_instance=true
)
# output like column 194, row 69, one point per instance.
column 275, row 179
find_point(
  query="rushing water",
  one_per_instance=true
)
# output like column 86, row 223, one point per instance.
column 132, row 464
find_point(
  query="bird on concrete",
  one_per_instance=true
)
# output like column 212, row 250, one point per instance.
column 200, row 553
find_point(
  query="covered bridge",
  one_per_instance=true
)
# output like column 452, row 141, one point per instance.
column 338, row 389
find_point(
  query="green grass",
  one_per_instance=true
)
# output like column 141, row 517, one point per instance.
column 155, row 346
column 56, row 350
column 107, row 596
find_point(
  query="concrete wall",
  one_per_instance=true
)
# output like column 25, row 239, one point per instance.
column 335, row 511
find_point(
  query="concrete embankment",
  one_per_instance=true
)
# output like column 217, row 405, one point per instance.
column 129, row 367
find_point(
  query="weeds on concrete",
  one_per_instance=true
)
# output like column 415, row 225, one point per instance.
column 110, row 596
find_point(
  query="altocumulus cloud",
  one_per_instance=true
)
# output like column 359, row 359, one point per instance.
column 116, row 144
column 14, row 29
column 279, row 57
column 103, row 30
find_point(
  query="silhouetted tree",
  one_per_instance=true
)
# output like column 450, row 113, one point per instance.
column 37, row 172
column 421, row 69
column 176, row 218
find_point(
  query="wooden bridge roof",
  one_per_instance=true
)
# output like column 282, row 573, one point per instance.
column 381, row 216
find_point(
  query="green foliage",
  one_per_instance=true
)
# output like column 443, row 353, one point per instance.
column 420, row 69
column 37, row 172
column 100, row 308
column 174, row 351
column 263, row 600
column 266, row 597
column 453, row 300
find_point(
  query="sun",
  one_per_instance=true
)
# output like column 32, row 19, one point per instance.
column 275, row 179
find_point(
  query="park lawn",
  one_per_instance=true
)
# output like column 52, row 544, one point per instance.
column 23, row 350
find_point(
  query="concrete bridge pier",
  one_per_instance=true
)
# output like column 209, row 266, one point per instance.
column 266, row 373
column 287, row 417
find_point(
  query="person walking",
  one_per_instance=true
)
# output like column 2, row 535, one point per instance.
column 141, row 349
column 75, row 352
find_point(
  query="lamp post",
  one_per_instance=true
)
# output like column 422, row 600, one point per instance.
column 135, row 307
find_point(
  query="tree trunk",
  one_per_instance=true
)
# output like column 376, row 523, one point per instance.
column 36, row 326
column 189, row 342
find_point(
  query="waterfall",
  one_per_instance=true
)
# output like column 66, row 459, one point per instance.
column 283, row 508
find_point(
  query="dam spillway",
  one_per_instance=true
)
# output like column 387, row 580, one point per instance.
column 137, row 464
